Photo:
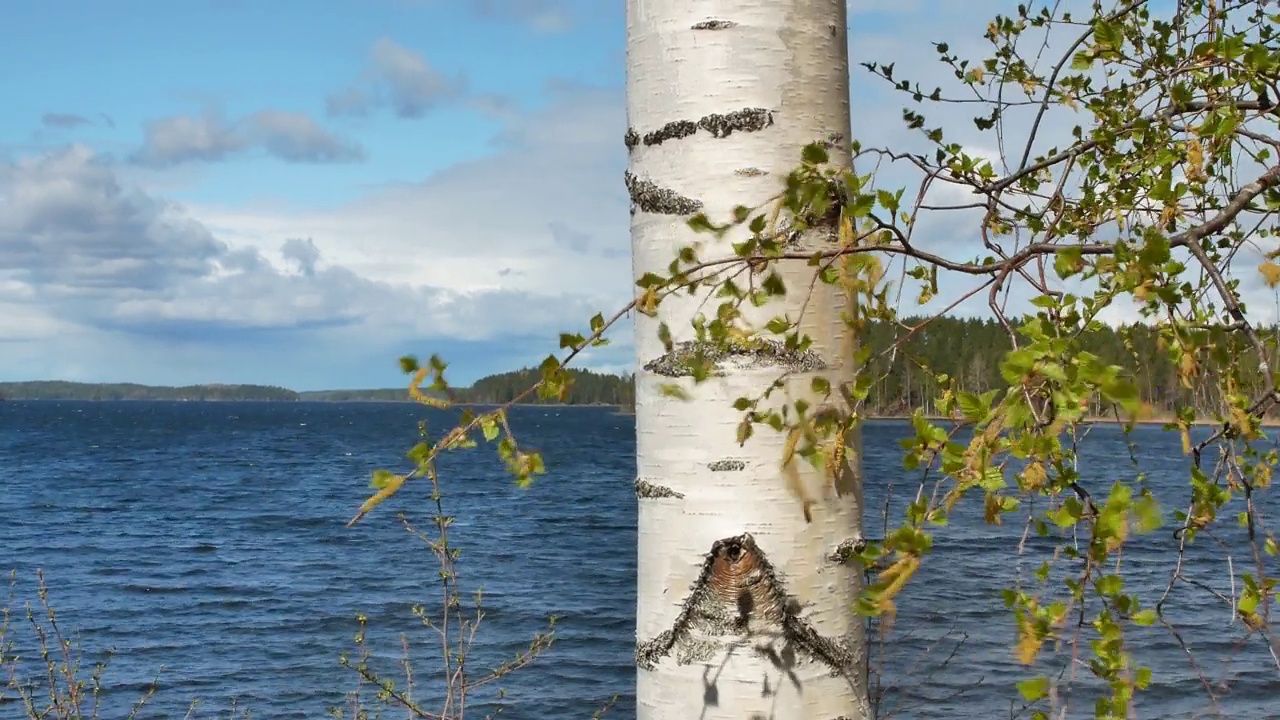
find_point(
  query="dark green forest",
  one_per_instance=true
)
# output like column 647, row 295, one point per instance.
column 970, row 351
column 967, row 350
column 589, row 388
column 62, row 390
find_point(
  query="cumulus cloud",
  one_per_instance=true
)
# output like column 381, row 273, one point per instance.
column 66, row 222
column 288, row 136
column 304, row 253
column 94, row 265
column 546, row 213
column 63, row 120
column 399, row 78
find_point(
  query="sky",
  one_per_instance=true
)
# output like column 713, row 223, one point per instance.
column 298, row 193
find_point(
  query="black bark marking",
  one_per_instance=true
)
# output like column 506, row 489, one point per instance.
column 727, row 466
column 756, row 352
column 670, row 131
column 715, row 25
column 845, row 551
column 631, row 139
column 648, row 197
column 750, row 172
column 738, row 595
column 720, row 126
column 744, row 120
column 646, row 489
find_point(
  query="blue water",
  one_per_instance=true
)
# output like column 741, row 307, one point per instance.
column 204, row 542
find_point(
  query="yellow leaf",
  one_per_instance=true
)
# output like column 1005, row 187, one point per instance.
column 791, row 474
column 1187, row 370
column 893, row 579
column 991, row 509
column 1270, row 273
column 789, row 446
column 393, row 484
column 1195, row 161
column 647, row 303
column 1028, row 643
column 1033, row 477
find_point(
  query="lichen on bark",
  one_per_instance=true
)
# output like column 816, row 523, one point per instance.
column 727, row 465
column 646, row 489
column 649, row 197
column 753, row 352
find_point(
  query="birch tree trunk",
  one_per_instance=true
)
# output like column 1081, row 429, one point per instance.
column 744, row 610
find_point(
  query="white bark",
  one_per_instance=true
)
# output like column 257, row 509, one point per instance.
column 687, row 61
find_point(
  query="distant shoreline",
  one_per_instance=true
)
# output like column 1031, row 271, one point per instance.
column 1096, row 420
column 629, row 411
column 296, row 401
column 588, row 389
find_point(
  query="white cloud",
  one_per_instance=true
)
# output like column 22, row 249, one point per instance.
column 289, row 136
column 475, row 253
column 397, row 77
column 546, row 214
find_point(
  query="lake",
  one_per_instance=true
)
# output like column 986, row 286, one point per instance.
column 205, row 542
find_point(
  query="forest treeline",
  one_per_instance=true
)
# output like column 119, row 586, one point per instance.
column 970, row 351
column 966, row 349
column 589, row 388
column 63, row 390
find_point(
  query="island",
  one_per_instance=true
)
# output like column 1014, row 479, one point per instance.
column 588, row 388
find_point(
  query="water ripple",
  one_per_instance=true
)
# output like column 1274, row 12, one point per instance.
column 206, row 542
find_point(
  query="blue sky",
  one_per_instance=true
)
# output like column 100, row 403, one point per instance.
column 265, row 126
column 297, row 193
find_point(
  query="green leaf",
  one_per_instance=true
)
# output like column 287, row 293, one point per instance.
column 700, row 223
column 673, row 390
column 1145, row 617
column 814, row 154
column 1121, row 392
column 1109, row 585
column 664, row 336
column 889, row 201
column 861, row 206
column 1034, row 689
column 972, row 406
column 489, row 426
column 649, row 280
column 381, row 479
